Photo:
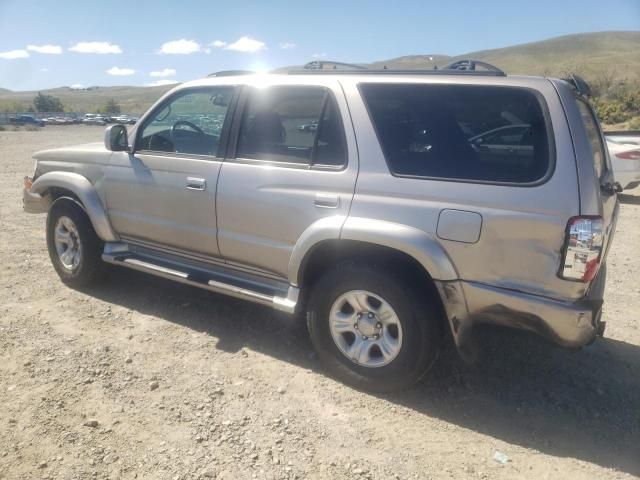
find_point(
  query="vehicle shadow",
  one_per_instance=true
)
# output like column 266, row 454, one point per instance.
column 629, row 199
column 584, row 405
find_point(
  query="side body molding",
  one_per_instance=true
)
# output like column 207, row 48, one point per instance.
column 87, row 194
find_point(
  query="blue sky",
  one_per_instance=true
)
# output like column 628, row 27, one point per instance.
column 51, row 43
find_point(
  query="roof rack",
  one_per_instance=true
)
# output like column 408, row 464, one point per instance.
column 580, row 84
column 230, row 73
column 320, row 64
column 468, row 64
column 461, row 67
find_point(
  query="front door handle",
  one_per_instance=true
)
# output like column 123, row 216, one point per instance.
column 326, row 200
column 194, row 183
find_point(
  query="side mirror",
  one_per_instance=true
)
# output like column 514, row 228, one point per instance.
column 116, row 138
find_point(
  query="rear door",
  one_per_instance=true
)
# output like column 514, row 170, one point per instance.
column 291, row 164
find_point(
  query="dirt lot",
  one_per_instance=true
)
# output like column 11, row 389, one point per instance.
column 143, row 378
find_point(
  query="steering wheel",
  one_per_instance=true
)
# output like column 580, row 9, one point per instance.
column 197, row 129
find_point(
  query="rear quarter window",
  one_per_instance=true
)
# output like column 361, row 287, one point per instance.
column 595, row 138
column 461, row 132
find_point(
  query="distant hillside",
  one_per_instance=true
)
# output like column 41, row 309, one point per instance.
column 588, row 54
column 131, row 99
column 612, row 57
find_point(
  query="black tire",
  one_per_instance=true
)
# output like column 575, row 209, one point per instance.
column 417, row 315
column 90, row 267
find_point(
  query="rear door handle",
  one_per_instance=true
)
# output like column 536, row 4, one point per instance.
column 194, row 183
column 326, row 200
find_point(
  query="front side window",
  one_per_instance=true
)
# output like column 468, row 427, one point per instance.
column 461, row 132
column 189, row 123
column 298, row 124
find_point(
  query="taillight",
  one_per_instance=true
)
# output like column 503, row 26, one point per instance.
column 582, row 249
column 630, row 155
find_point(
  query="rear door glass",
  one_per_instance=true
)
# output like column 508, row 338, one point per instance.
column 593, row 132
column 293, row 124
column 461, row 132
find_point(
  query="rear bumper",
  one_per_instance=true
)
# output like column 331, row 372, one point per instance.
column 628, row 178
column 569, row 324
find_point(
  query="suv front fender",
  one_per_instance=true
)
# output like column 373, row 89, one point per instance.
column 86, row 193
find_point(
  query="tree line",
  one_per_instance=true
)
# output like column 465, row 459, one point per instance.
column 48, row 103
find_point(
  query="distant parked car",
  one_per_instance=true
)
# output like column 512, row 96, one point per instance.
column 26, row 120
column 625, row 160
column 125, row 120
column 93, row 119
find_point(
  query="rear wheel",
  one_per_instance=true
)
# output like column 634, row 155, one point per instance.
column 74, row 248
column 371, row 329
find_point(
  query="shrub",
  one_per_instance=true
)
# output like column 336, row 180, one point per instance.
column 634, row 123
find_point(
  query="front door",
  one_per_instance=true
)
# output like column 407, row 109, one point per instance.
column 293, row 164
column 164, row 193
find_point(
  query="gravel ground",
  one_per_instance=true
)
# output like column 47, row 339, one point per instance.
column 143, row 378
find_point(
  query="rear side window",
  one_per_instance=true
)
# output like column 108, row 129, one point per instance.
column 292, row 125
column 461, row 132
column 593, row 132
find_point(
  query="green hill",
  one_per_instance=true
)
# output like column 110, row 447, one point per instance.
column 592, row 55
column 606, row 59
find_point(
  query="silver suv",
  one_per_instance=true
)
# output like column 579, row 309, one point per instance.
column 391, row 208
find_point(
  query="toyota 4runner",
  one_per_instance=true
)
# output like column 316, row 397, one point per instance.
column 420, row 204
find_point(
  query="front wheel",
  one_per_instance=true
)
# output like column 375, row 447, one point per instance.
column 371, row 329
column 74, row 247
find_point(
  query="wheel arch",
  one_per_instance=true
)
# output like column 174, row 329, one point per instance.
column 407, row 250
column 76, row 186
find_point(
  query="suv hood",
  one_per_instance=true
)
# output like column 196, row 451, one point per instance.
column 85, row 153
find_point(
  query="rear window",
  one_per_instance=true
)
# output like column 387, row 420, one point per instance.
column 460, row 132
column 593, row 132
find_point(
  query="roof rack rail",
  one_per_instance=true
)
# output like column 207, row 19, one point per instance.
column 320, row 64
column 462, row 67
column 468, row 64
column 580, row 84
column 231, row 73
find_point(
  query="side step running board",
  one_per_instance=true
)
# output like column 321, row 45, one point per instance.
column 207, row 281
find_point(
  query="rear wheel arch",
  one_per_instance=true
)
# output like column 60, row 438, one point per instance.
column 330, row 254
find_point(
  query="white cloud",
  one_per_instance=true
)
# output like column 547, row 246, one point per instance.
column 12, row 54
column 159, row 83
column 95, row 47
column 77, row 86
column 121, row 72
column 167, row 72
column 180, row 47
column 287, row 45
column 319, row 55
column 44, row 69
column 218, row 44
column 246, row 45
column 48, row 49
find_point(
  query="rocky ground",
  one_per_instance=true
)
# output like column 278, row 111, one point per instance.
column 143, row 378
